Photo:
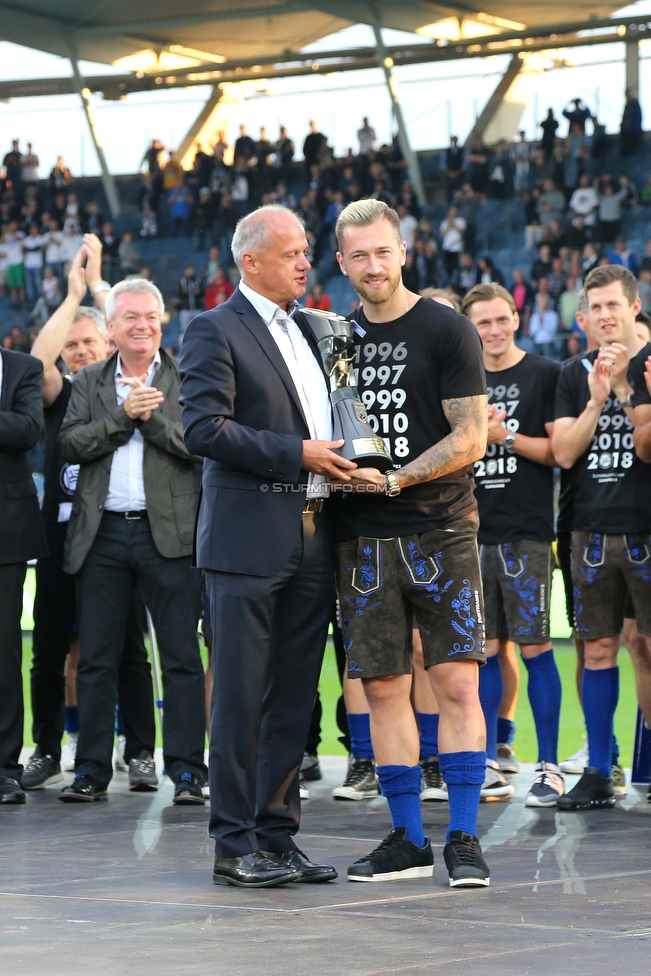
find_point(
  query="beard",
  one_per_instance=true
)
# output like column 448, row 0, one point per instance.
column 384, row 294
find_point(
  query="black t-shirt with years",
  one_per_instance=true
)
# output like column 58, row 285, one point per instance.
column 612, row 487
column 516, row 495
column 405, row 368
column 60, row 477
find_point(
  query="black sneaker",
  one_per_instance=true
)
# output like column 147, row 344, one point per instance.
column 432, row 785
column 142, row 774
column 465, row 862
column 188, row 790
column 360, row 782
column 593, row 791
column 41, row 771
column 310, row 767
column 396, row 859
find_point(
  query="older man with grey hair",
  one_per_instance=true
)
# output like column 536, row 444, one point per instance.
column 256, row 407
column 132, row 522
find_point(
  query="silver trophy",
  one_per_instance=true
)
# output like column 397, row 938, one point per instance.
column 334, row 337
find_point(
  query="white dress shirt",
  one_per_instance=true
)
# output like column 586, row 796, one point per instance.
column 126, row 491
column 304, row 370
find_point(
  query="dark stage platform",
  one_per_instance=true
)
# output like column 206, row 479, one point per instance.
column 124, row 888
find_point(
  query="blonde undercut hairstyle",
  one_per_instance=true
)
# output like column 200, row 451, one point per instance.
column 361, row 213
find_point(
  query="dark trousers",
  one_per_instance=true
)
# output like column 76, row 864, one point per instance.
column 55, row 619
column 12, row 578
column 269, row 633
column 123, row 555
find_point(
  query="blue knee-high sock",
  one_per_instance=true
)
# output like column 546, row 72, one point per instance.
column 401, row 786
column 464, row 774
column 600, row 696
column 505, row 730
column 428, row 725
column 72, row 718
column 359, row 727
column 544, row 688
column 491, row 689
column 615, row 752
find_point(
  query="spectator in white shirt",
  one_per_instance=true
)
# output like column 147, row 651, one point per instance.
column 29, row 164
column 543, row 326
column 408, row 226
column 452, row 231
column 13, row 248
column 72, row 241
column 585, row 201
column 366, row 136
column 53, row 244
column 33, row 260
column 51, row 287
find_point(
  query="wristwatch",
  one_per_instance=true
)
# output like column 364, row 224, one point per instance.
column 391, row 486
column 509, row 442
column 103, row 286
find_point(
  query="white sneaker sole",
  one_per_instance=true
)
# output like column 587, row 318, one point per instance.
column 427, row 871
column 68, row 767
column 575, row 769
column 620, row 790
column 500, row 793
column 536, row 801
column 343, row 793
column 433, row 793
column 509, row 768
column 50, row 781
column 470, row 883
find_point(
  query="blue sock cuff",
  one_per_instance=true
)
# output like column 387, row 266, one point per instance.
column 398, row 780
column 540, row 661
column 359, row 726
column 463, row 768
column 505, row 730
column 72, row 718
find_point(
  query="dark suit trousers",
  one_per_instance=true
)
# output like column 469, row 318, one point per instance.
column 55, row 619
column 12, row 578
column 122, row 555
column 269, row 633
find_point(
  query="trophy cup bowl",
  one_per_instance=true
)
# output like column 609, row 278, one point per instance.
column 334, row 338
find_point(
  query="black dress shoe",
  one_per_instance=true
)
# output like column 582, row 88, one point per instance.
column 11, row 791
column 252, row 871
column 309, row 873
column 188, row 790
column 83, row 789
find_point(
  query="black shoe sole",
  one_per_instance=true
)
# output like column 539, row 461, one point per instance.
column 318, row 879
column 78, row 798
column 143, row 788
column 220, row 879
column 189, row 801
column 578, row 806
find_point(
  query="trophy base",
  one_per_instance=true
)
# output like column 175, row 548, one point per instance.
column 367, row 452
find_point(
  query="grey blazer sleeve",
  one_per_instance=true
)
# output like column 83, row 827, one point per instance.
column 84, row 439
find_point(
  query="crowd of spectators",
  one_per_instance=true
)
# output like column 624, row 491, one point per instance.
column 572, row 207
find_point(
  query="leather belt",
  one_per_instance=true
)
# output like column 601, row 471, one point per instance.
column 130, row 516
column 313, row 506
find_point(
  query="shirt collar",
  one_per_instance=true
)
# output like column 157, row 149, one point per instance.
column 266, row 309
column 155, row 363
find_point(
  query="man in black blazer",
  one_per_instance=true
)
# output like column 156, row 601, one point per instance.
column 256, row 407
column 21, row 538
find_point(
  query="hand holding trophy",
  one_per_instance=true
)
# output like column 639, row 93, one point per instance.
column 334, row 337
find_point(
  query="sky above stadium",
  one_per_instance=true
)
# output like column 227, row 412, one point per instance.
column 438, row 100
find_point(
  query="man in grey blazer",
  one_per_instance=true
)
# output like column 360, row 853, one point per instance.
column 132, row 520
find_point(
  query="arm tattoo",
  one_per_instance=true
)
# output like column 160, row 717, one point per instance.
column 466, row 442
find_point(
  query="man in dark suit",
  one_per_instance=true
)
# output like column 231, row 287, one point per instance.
column 132, row 521
column 256, row 407
column 21, row 538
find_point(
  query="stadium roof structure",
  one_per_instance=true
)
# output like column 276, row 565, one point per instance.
column 163, row 44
